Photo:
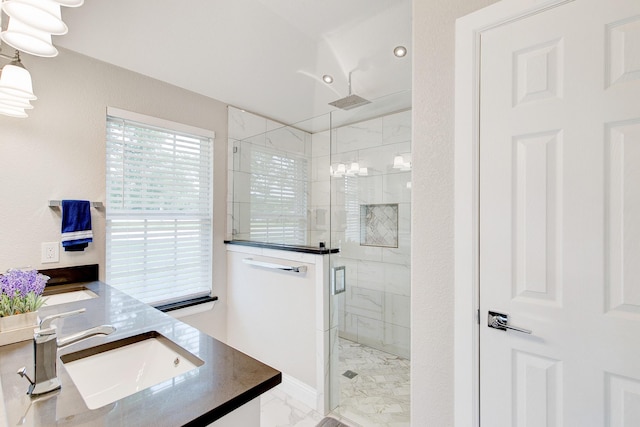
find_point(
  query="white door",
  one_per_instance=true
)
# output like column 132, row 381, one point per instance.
column 560, row 217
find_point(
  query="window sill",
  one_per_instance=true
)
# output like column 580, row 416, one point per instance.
column 188, row 307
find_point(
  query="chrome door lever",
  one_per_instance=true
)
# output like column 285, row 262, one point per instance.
column 500, row 321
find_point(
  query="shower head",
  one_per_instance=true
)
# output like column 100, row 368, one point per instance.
column 350, row 101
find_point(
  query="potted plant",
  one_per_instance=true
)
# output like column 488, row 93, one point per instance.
column 20, row 298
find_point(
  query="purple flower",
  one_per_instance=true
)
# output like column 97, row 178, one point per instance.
column 18, row 283
column 21, row 291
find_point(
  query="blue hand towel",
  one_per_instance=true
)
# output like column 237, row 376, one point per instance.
column 76, row 225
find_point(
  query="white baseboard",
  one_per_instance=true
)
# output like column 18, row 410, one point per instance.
column 300, row 391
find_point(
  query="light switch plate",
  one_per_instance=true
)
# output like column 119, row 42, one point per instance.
column 50, row 252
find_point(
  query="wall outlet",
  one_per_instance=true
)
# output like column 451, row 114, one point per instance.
column 50, row 252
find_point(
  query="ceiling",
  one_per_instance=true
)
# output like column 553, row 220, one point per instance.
column 265, row 56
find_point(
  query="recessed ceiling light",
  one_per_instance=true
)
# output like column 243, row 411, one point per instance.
column 327, row 79
column 400, row 51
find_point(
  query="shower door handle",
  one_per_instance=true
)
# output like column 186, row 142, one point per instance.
column 500, row 321
column 338, row 280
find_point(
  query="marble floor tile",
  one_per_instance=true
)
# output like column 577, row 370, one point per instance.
column 378, row 396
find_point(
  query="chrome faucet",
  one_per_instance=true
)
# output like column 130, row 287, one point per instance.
column 45, row 351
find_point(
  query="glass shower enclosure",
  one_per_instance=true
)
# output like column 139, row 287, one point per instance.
column 341, row 181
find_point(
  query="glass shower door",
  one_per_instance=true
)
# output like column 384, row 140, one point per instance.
column 370, row 177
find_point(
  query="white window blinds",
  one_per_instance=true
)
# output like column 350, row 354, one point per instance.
column 278, row 193
column 159, row 208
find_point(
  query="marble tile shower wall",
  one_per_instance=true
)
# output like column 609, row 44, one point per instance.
column 374, row 309
column 248, row 132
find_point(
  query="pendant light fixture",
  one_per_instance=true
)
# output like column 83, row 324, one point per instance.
column 15, row 80
column 33, row 22
column 16, row 89
column 28, row 39
column 30, row 27
column 43, row 15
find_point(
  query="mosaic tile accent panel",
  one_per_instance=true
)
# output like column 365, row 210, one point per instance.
column 379, row 225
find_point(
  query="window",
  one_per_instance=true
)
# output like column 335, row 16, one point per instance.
column 278, row 194
column 159, row 208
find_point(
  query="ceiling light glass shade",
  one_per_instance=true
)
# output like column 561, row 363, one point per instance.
column 16, row 81
column 14, row 101
column 327, row 79
column 43, row 15
column 28, row 39
column 70, row 3
column 13, row 112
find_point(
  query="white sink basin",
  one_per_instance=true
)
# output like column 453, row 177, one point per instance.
column 112, row 371
column 71, row 296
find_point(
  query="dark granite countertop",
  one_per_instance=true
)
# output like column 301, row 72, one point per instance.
column 227, row 380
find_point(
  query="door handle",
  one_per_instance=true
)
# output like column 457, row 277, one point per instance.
column 500, row 321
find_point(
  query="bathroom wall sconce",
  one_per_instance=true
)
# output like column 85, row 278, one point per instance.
column 353, row 169
column 399, row 162
column 16, row 90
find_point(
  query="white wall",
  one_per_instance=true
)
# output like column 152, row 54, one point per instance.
column 59, row 153
column 432, row 289
column 283, row 318
column 272, row 313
